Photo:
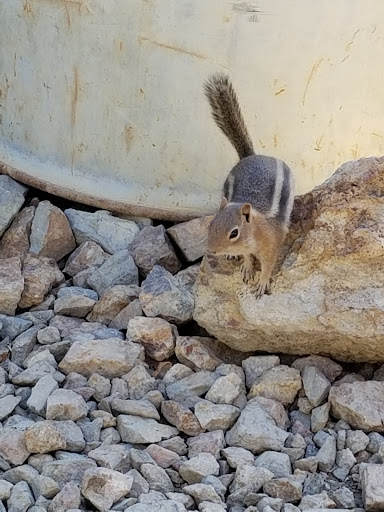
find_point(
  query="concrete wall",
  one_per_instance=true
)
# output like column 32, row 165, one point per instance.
column 102, row 101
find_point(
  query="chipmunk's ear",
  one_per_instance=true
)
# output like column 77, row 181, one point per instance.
column 246, row 211
column 224, row 202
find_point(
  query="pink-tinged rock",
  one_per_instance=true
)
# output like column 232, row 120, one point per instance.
column 40, row 276
column 88, row 254
column 11, row 285
column 155, row 334
column 15, row 241
column 51, row 234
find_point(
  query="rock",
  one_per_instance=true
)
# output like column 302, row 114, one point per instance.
column 113, row 301
column 123, row 318
column 375, row 442
column 191, row 237
column 139, row 486
column 119, row 269
column 134, row 429
column 74, row 305
column 177, row 372
column 114, row 456
column 64, row 404
column 44, row 438
column 151, row 247
column 278, row 463
column 5, row 489
column 319, row 501
column 161, row 295
column 11, row 284
column 250, row 478
column 288, row 489
column 225, row 389
column 361, row 404
column 344, row 269
column 139, row 457
column 319, row 417
column 183, row 499
column 12, row 196
column 103, row 487
column 196, row 468
column 202, row 492
column 48, row 335
column 68, row 470
column 176, row 444
column 215, row 417
column 344, row 498
column 111, row 357
column 88, row 254
column 163, row 506
column 326, row 366
column 15, row 241
column 155, row 334
column 326, row 456
column 81, row 279
column 356, row 441
column 194, row 385
column 12, row 326
column 111, row 233
column 238, row 456
column 255, row 366
column 13, row 447
column 101, row 385
column 51, row 234
column 142, row 408
column 256, row 430
column 208, row 442
column 157, row 478
column 139, row 382
column 44, row 486
column 197, row 352
column 280, row 383
column 23, row 345
column 207, row 506
column 68, row 498
column 372, row 484
column 345, row 459
column 7, row 405
column 274, row 409
column 40, row 275
column 71, row 433
column 181, row 417
column 316, row 385
column 21, row 498
column 163, row 457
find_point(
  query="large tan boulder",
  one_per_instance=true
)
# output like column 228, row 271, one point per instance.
column 328, row 297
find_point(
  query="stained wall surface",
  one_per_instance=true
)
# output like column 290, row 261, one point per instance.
column 101, row 101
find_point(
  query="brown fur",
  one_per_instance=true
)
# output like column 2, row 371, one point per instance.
column 259, row 238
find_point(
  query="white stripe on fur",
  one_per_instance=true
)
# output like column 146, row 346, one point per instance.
column 274, row 210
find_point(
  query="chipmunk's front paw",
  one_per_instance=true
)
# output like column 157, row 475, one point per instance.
column 247, row 273
column 229, row 257
column 261, row 288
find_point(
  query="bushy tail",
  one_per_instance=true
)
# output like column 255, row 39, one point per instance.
column 227, row 114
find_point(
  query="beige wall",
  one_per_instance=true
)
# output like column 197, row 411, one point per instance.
column 102, row 100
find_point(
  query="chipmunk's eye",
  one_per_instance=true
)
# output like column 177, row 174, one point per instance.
column 234, row 233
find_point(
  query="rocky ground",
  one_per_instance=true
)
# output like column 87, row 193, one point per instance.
column 112, row 398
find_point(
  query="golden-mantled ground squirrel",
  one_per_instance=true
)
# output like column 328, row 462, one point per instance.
column 258, row 195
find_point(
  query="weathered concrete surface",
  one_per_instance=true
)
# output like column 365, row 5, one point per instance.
column 328, row 297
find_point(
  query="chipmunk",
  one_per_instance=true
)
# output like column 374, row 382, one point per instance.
column 255, row 211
